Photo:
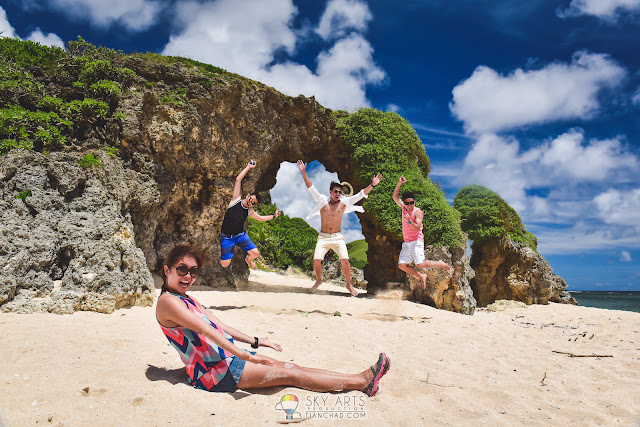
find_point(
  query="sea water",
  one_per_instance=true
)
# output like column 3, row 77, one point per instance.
column 612, row 300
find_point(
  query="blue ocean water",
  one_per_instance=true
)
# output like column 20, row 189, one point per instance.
column 612, row 300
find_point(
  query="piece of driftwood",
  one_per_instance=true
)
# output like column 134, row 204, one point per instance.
column 543, row 378
column 582, row 355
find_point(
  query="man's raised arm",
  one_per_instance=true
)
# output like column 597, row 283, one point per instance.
column 396, row 191
column 303, row 168
column 237, row 187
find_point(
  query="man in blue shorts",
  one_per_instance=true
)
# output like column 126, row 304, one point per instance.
column 233, row 223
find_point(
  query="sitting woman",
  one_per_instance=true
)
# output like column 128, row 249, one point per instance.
column 206, row 345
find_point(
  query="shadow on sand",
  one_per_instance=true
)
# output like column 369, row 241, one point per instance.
column 179, row 376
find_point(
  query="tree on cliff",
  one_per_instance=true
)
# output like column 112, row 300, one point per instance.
column 485, row 216
column 385, row 142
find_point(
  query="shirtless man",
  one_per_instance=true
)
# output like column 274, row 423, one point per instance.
column 413, row 245
column 331, row 210
column 233, row 233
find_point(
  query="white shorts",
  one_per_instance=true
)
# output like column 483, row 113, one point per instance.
column 412, row 251
column 333, row 241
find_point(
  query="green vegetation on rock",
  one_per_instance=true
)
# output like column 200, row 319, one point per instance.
column 34, row 118
column 23, row 195
column 485, row 215
column 285, row 241
column 88, row 161
column 385, row 142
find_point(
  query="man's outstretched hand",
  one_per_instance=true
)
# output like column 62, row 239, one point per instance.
column 302, row 166
column 376, row 180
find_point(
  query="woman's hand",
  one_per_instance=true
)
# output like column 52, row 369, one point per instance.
column 261, row 360
column 264, row 342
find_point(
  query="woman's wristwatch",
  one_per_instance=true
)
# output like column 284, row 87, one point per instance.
column 256, row 344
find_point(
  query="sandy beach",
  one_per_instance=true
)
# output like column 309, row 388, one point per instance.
column 492, row 368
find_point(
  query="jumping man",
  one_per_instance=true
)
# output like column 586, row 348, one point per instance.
column 413, row 245
column 331, row 210
column 233, row 223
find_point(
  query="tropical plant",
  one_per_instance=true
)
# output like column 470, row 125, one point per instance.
column 485, row 215
column 385, row 142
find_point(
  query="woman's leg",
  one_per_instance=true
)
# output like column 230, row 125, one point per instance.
column 289, row 374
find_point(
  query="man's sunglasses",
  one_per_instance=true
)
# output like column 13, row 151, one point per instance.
column 337, row 191
column 183, row 270
column 413, row 202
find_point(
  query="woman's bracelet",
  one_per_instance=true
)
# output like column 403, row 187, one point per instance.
column 256, row 344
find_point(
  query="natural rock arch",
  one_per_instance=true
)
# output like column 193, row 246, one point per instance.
column 170, row 182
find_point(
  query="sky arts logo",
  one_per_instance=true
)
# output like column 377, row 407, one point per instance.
column 341, row 407
column 288, row 403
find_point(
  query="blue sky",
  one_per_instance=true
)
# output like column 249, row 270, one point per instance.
column 537, row 100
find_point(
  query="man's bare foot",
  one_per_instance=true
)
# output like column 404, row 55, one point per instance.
column 352, row 290
column 250, row 263
column 423, row 279
column 315, row 287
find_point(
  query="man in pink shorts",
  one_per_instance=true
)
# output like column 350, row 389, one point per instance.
column 331, row 210
column 413, row 245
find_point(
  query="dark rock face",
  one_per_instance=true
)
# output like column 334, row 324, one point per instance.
column 507, row 270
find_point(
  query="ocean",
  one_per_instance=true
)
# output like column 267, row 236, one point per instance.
column 612, row 300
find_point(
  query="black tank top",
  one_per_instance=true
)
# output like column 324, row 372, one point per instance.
column 234, row 218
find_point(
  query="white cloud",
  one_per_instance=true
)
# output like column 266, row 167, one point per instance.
column 582, row 238
column 291, row 195
column 393, row 108
column 243, row 37
column 135, row 15
column 340, row 79
column 599, row 159
column 50, row 39
column 343, row 15
column 238, row 36
column 6, row 30
column 566, row 166
column 604, row 9
column 625, row 256
column 619, row 207
column 490, row 102
column 636, row 97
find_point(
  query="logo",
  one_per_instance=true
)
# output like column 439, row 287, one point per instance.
column 341, row 407
column 288, row 403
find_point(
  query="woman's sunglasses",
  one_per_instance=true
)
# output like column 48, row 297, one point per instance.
column 183, row 270
column 412, row 202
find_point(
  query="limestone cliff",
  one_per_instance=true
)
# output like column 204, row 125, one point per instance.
column 508, row 270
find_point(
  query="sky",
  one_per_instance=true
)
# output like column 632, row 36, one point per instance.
column 536, row 100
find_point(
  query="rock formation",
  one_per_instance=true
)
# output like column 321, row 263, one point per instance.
column 73, row 245
column 506, row 264
column 70, row 245
column 508, row 270
column 444, row 290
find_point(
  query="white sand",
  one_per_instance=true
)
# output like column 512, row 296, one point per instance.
column 446, row 368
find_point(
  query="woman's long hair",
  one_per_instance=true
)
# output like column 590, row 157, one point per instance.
column 177, row 253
